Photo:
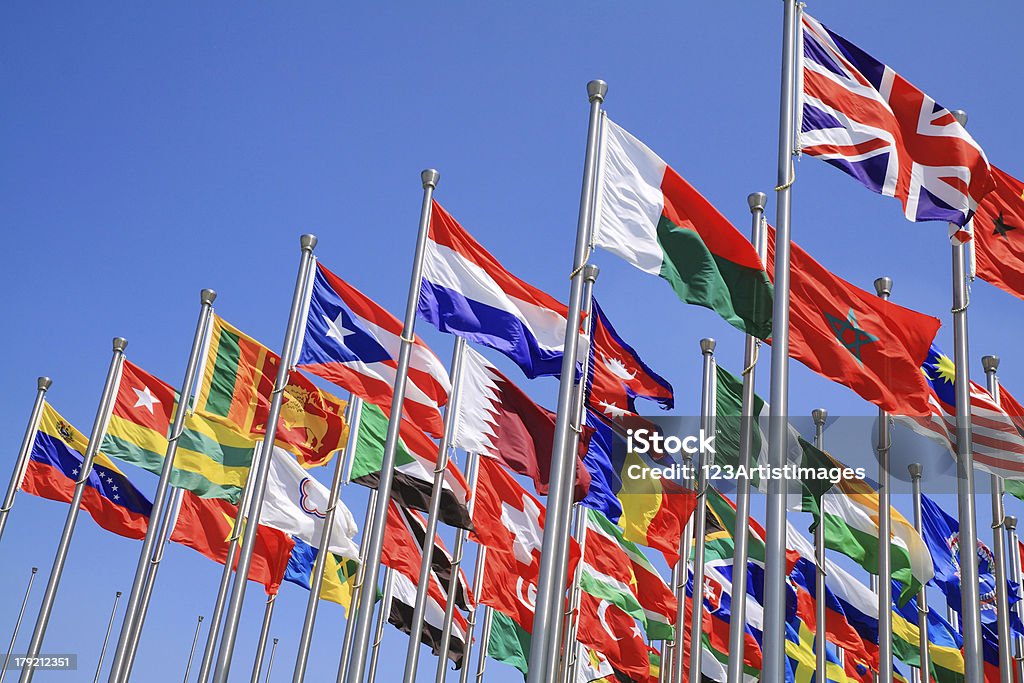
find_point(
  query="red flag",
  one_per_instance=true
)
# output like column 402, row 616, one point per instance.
column 999, row 234
column 855, row 338
column 615, row 634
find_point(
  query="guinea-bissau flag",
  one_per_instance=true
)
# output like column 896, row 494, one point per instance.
column 648, row 215
column 238, row 380
column 55, row 466
column 212, row 459
column 999, row 234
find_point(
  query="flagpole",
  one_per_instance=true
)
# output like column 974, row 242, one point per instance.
column 270, row 664
column 669, row 646
column 261, row 644
column 353, row 415
column 915, row 470
column 971, row 601
column 819, row 415
column 234, row 610
column 572, row 647
column 478, row 583
column 364, row 615
column 1015, row 571
column 883, row 287
column 17, row 624
column 472, row 471
column 991, row 366
column 192, row 650
column 347, row 639
column 382, row 618
column 682, row 573
column 419, row 611
column 132, row 621
column 741, row 533
column 42, row 386
column 99, row 428
column 485, row 636
column 563, row 461
column 106, row 637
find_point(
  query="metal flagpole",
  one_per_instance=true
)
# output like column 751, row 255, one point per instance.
column 375, row 528
column 669, row 646
column 572, row 648
column 741, row 533
column 922, row 597
column 353, row 413
column 883, row 287
column 819, row 415
column 707, row 426
column 472, row 465
column 106, row 637
column 485, row 636
column 563, row 461
column 382, row 618
column 774, row 641
column 991, row 366
column 971, row 601
column 478, row 582
column 132, row 620
column 1015, row 571
column 259, row 483
column 270, row 664
column 261, row 645
column 42, row 386
column 17, row 624
column 419, row 611
column 99, row 428
column 192, row 650
column 346, row 643
column 682, row 573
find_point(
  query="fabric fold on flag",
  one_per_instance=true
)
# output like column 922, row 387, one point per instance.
column 999, row 235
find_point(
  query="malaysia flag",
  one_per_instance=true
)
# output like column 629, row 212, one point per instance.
column 353, row 342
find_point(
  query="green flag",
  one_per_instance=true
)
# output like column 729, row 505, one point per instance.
column 508, row 643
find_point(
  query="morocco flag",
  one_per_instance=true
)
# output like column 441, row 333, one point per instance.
column 855, row 338
column 999, row 234
column 651, row 217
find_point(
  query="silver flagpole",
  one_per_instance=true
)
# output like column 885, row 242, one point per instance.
column 261, row 645
column 375, row 528
column 922, row 597
column 42, row 386
column 130, row 625
column 991, row 366
column 99, row 428
column 485, row 636
column 259, row 483
column 412, row 654
column 1015, row 571
column 741, row 533
column 106, row 637
column 572, row 647
column 819, row 415
column 478, row 582
column 353, row 413
column 971, row 600
column 346, row 643
column 192, row 650
column 682, row 575
column 883, row 287
column 668, row 647
column 774, row 641
column 270, row 664
column 563, row 461
column 217, row 618
column 382, row 618
column 17, row 624
column 472, row 465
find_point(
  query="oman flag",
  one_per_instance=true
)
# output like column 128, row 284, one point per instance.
column 999, row 234
column 647, row 214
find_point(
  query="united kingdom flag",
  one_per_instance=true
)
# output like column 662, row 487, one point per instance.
column 862, row 117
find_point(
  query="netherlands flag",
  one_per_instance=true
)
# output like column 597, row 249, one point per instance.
column 466, row 292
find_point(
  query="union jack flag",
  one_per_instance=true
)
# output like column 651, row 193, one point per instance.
column 865, row 119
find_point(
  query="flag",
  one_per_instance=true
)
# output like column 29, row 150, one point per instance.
column 207, row 525
column 465, row 291
column 998, row 250
column 509, row 643
column 648, row 215
column 416, row 459
column 297, row 504
column 55, row 466
column 615, row 634
column 213, row 459
column 856, row 338
column 998, row 445
column 496, row 419
column 351, row 341
column 403, row 602
column 865, row 119
column 617, row 374
column 729, row 420
column 340, row 573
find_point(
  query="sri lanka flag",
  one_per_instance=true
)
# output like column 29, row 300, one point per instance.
column 55, row 466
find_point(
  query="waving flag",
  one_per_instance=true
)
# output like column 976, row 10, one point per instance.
column 865, row 119
column 615, row 634
column 340, row 573
column 467, row 292
column 353, row 342
column 999, row 234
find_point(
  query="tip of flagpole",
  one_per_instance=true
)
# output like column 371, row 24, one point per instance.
column 120, row 344
column 757, row 201
column 1011, row 522
column 596, row 90
column 308, row 242
column 35, row 570
column 960, row 115
column 590, row 272
column 819, row 415
column 707, row 345
column 915, row 469
column 883, row 287
column 207, row 296
column 43, row 383
column 430, row 177
column 990, row 363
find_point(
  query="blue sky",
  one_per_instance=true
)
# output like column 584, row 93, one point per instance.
column 148, row 152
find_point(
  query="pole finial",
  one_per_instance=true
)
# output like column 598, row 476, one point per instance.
column 596, row 90
column 819, row 415
column 44, row 383
column 990, row 363
column 590, row 272
column 707, row 345
column 430, row 176
column 207, row 296
column 915, row 470
column 120, row 344
column 1011, row 522
column 883, row 286
column 308, row 242
column 961, row 116
column 757, row 201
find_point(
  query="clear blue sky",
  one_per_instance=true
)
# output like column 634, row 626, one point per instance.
column 148, row 152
